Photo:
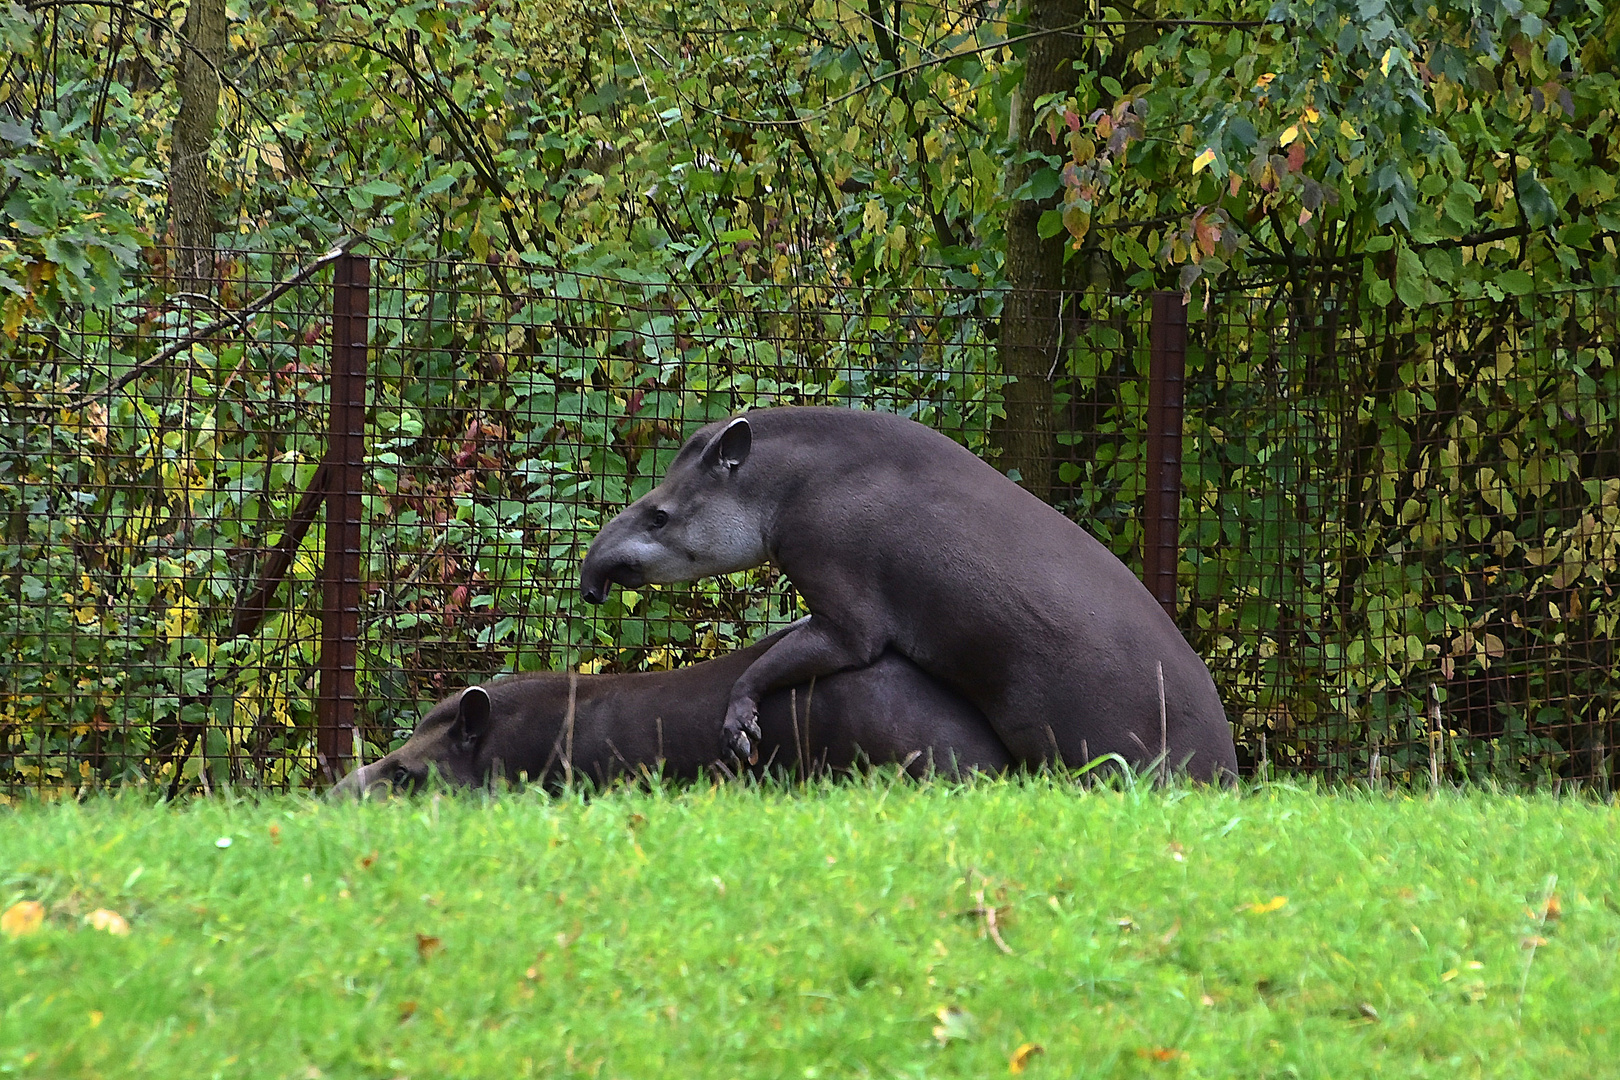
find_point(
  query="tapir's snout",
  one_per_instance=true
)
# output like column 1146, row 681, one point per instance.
column 357, row 784
column 600, row 573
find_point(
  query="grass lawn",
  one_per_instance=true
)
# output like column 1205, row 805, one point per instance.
column 834, row 931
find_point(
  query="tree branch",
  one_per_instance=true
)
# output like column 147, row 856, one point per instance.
column 237, row 318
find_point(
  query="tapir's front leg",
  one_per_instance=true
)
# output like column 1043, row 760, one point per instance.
column 812, row 648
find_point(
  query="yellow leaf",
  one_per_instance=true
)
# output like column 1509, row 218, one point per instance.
column 1290, row 133
column 1388, row 62
column 1347, row 131
column 1311, row 115
column 108, row 920
column 11, row 320
column 1268, row 906
column 1265, row 80
column 1203, row 160
column 95, row 1018
column 1020, row 1057
column 22, row 918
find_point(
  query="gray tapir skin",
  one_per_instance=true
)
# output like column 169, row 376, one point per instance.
column 888, row 713
column 898, row 538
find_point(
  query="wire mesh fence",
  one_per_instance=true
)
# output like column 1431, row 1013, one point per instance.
column 1397, row 533
column 1402, row 533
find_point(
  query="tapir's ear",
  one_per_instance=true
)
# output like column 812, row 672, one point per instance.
column 472, row 713
column 730, row 447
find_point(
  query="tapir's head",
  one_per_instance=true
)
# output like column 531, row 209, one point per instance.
column 449, row 740
column 705, row 518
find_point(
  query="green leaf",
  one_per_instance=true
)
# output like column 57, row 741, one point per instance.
column 1459, row 207
column 1534, row 201
column 1043, row 184
column 1576, row 234
column 1411, row 279
column 1516, row 282
column 443, row 182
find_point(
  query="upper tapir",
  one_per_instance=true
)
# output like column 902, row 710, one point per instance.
column 898, row 538
column 549, row 724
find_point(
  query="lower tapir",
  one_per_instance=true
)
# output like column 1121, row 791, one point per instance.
column 898, row 538
column 888, row 713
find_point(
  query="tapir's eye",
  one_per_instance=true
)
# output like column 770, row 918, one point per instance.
column 659, row 519
column 402, row 776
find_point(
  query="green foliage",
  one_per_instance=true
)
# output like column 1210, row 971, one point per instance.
column 70, row 187
column 1466, row 138
column 1436, row 505
column 725, row 932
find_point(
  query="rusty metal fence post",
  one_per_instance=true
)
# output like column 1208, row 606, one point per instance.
column 1161, row 495
column 344, row 463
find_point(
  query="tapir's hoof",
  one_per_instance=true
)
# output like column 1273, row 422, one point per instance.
column 739, row 743
column 742, row 735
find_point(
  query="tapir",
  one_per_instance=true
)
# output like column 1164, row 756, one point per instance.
column 547, row 725
column 898, row 538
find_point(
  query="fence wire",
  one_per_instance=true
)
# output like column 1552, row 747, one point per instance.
column 1397, row 543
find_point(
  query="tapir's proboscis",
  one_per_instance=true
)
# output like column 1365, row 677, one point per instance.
column 898, row 538
column 550, row 725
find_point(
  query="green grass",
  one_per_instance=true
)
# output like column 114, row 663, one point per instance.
column 746, row 932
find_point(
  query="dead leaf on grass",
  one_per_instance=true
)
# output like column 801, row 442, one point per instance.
column 988, row 913
column 407, row 1009
column 1159, row 1053
column 1266, row 907
column 427, row 945
column 955, row 1024
column 108, row 920
column 22, row 918
column 1021, row 1057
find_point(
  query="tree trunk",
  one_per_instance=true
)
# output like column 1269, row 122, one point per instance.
column 1029, row 341
column 191, row 211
